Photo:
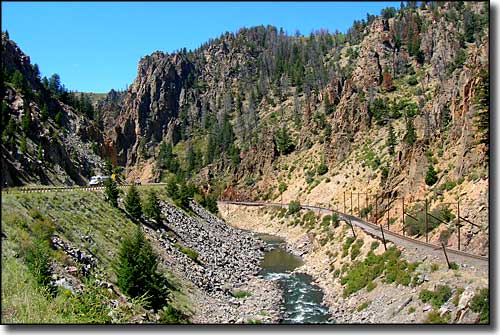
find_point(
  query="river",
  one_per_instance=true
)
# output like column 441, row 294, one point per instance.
column 302, row 298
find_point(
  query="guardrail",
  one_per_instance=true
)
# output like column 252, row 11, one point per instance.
column 69, row 188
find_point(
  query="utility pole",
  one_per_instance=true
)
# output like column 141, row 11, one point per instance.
column 383, row 237
column 351, row 202
column 359, row 209
column 403, row 216
column 458, row 222
column 446, row 255
column 388, row 214
column 426, row 223
column 344, row 202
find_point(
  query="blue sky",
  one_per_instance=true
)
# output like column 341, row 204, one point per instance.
column 95, row 46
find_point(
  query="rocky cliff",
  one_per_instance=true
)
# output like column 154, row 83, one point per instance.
column 44, row 140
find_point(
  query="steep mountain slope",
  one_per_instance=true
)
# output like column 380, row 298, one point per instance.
column 250, row 110
column 44, row 140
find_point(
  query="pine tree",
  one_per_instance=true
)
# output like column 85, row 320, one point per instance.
column 482, row 106
column 410, row 136
column 133, row 203
column 167, row 159
column 44, row 112
column 283, row 141
column 431, row 176
column 58, row 119
column 136, row 271
column 18, row 80
column 391, row 139
column 26, row 121
column 191, row 159
column 22, row 146
column 172, row 188
column 10, row 131
column 329, row 108
column 152, row 207
column 111, row 191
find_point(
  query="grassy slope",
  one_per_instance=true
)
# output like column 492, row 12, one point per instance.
column 75, row 214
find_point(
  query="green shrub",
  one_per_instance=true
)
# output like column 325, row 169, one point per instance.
column 363, row 306
column 309, row 219
column 480, row 304
column 346, row 246
column 170, row 315
column 321, row 169
column 434, row 267
column 412, row 81
column 355, row 249
column 434, row 318
column 293, row 207
column 370, row 286
column 37, row 259
column 447, row 186
column 365, row 211
column 431, row 176
column 188, row 252
column 413, row 227
column 438, row 297
column 89, row 305
column 241, row 294
column 210, row 203
column 374, row 245
column 360, row 274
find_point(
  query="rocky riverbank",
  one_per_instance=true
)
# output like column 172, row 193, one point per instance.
column 322, row 251
column 221, row 262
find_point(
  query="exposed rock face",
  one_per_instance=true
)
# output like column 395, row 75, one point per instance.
column 150, row 106
column 53, row 155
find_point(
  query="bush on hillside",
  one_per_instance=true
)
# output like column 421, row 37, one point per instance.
column 136, row 271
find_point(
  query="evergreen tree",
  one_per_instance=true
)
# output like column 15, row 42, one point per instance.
column 133, row 203
column 10, row 131
column 26, row 121
column 167, row 159
column 172, row 188
column 152, row 207
column 410, row 136
column 391, row 139
column 39, row 155
column 431, row 175
column 136, row 271
column 283, row 141
column 22, row 146
column 482, row 106
column 54, row 85
column 111, row 191
column 5, row 115
column 191, row 159
column 329, row 108
column 44, row 112
column 18, row 80
column 58, row 119
column 211, row 152
column 282, row 188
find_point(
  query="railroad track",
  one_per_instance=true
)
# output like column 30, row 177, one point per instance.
column 458, row 256
column 68, row 188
